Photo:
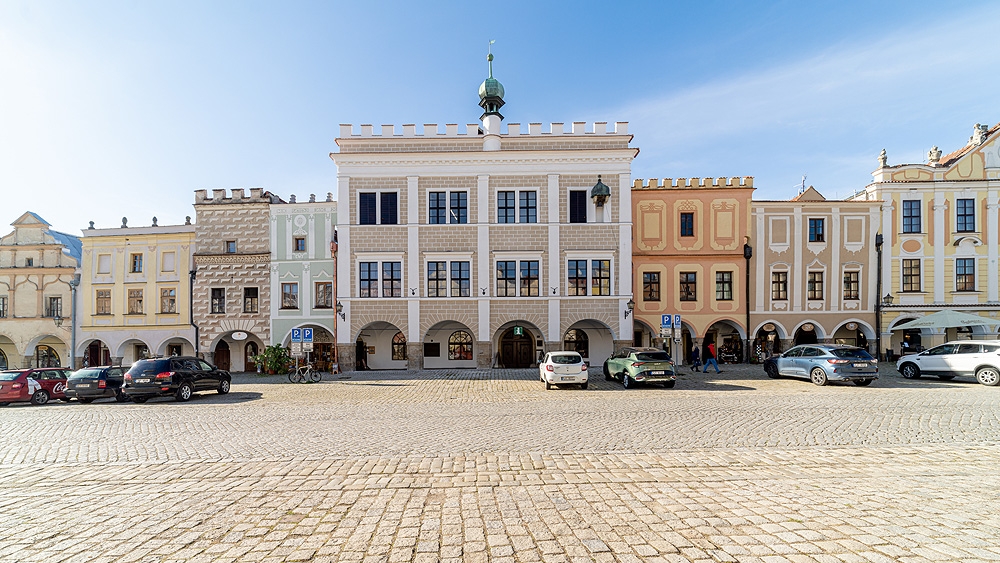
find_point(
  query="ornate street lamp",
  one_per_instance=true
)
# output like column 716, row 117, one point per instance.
column 629, row 307
column 747, row 255
column 600, row 193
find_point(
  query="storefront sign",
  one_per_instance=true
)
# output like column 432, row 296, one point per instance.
column 852, row 326
column 239, row 335
column 808, row 327
column 769, row 327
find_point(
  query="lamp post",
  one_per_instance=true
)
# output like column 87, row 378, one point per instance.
column 878, row 293
column 747, row 254
column 629, row 307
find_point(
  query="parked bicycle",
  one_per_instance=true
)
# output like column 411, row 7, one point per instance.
column 305, row 373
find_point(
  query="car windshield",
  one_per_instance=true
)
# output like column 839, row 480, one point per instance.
column 9, row 375
column 853, row 353
column 150, row 366
column 85, row 374
column 652, row 357
column 566, row 358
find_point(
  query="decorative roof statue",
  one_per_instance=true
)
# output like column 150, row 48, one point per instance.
column 187, row 220
column 124, row 222
column 154, row 222
column 91, row 227
column 882, row 159
column 934, row 156
column 979, row 134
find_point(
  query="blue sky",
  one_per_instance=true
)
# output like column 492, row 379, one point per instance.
column 113, row 109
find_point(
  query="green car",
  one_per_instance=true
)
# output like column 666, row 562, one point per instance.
column 640, row 365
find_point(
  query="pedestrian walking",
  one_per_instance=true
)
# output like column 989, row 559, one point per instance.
column 710, row 359
column 695, row 359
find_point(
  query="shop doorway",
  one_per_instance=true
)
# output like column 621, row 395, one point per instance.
column 97, row 355
column 222, row 356
column 517, row 348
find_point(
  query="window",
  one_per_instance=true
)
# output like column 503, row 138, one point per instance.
column 438, row 207
column 506, row 280
column 298, row 244
column 578, row 206
column 650, row 286
column 529, row 278
column 377, row 207
column 689, row 286
column 459, row 207
column 324, row 295
column 577, row 272
column 965, row 274
column 600, row 280
column 911, row 215
column 218, row 300
column 399, row 346
column 460, row 281
column 852, row 285
column 432, row 349
column 779, row 286
column 289, row 296
column 529, row 207
column 687, row 224
column 104, row 264
column 367, row 208
column 53, row 307
column 723, row 286
column 103, row 301
column 388, row 212
column 136, row 264
column 911, row 274
column 437, row 279
column 814, row 286
column 392, row 279
column 168, row 300
column 966, row 216
column 250, row 300
column 168, row 261
column 3, row 307
column 135, row 301
column 460, row 345
column 368, row 279
column 230, row 247
column 816, row 230
column 29, row 262
column 505, row 207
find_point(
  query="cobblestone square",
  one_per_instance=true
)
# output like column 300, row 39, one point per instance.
column 468, row 465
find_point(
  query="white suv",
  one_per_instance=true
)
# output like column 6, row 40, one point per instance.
column 979, row 358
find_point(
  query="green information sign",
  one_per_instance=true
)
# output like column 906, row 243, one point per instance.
column 518, row 331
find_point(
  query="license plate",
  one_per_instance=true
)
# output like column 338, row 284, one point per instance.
column 656, row 373
column 566, row 379
column 142, row 380
column 862, row 365
column 82, row 385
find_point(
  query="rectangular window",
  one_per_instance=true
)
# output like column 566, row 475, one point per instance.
column 529, row 207
column 529, row 278
column 689, row 286
column 460, row 281
column 388, row 213
column 29, row 262
column 368, row 279
column 578, row 206
column 506, row 278
column 816, row 230
column 814, row 286
column 432, row 349
column 230, row 247
column 250, row 300
column 324, row 295
column 723, row 286
column 650, row 286
column 367, row 208
column 299, row 244
column 779, row 286
column 103, row 301
column 600, row 278
column 911, row 275
column 437, row 207
column 965, row 274
column 459, row 212
column 505, row 207
column 3, row 307
column 911, row 215
column 437, row 279
column 53, row 307
column 577, row 274
column 135, row 301
column 852, row 285
column 687, row 224
column 218, row 300
column 966, row 216
column 289, row 296
column 392, row 279
column 168, row 261
column 136, row 264
column 168, row 300
column 104, row 264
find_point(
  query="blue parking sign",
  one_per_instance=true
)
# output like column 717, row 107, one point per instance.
column 677, row 321
column 307, row 335
column 665, row 320
column 296, row 335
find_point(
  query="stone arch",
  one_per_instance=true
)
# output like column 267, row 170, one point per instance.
column 466, row 318
column 438, row 335
column 379, row 335
column 600, row 339
column 127, row 353
column 517, row 351
column 161, row 347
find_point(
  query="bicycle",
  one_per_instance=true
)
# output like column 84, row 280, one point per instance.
column 305, row 373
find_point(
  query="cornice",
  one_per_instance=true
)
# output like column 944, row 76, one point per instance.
column 485, row 158
column 259, row 258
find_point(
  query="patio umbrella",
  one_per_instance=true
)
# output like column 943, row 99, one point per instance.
column 947, row 319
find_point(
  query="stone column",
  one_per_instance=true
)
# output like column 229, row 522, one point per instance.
column 484, row 354
column 346, row 357
column 414, row 356
column 116, row 360
column 26, row 361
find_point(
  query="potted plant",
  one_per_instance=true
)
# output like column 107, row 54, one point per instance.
column 274, row 359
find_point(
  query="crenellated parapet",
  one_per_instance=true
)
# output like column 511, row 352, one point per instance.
column 235, row 195
column 693, row 183
column 433, row 130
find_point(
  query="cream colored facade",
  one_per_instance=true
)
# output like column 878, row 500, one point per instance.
column 941, row 229
column 134, row 298
column 37, row 273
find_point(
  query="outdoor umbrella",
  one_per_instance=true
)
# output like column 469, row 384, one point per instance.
column 947, row 319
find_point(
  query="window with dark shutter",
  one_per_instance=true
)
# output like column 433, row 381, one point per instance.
column 578, row 206
column 366, row 211
column 389, row 208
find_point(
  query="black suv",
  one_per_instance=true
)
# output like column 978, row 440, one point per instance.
column 88, row 384
column 179, row 376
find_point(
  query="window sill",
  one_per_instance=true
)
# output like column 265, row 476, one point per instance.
column 135, row 314
column 289, row 309
column 251, row 312
column 168, row 313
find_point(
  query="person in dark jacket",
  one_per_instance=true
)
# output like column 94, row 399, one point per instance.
column 695, row 359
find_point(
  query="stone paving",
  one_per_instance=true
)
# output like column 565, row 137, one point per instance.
column 489, row 466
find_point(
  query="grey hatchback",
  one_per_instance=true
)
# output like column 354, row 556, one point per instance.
column 823, row 362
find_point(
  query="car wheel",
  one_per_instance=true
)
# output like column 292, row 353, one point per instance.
column 909, row 371
column 86, row 400
column 607, row 374
column 184, row 392
column 548, row 385
column 40, row 397
column 224, row 386
column 669, row 384
column 988, row 376
column 818, row 376
column 862, row 382
column 946, row 377
column 4, row 404
column 583, row 386
column 627, row 382
column 771, row 370
column 121, row 397
column 140, row 400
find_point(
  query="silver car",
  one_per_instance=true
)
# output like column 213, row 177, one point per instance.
column 966, row 358
column 822, row 363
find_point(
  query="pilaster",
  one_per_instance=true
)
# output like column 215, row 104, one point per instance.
column 940, row 207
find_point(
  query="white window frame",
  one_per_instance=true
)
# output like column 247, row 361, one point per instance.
column 379, row 257
column 590, row 257
column 447, row 206
column 517, row 206
column 378, row 208
column 518, row 257
column 475, row 290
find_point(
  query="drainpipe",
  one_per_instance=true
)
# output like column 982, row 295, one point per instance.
column 197, row 340
column 73, row 284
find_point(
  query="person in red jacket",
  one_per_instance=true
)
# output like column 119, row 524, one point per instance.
column 710, row 358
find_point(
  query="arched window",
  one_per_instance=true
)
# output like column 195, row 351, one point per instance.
column 399, row 346
column 460, row 346
column 3, row 360
column 576, row 341
column 46, row 357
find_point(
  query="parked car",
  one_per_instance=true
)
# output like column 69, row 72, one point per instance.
column 89, row 384
column 35, row 385
column 640, row 365
column 179, row 376
column 822, row 363
column 563, row 368
column 966, row 358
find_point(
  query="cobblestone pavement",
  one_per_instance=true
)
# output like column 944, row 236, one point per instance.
column 489, row 466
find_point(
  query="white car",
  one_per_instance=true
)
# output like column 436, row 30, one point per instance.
column 563, row 368
column 969, row 358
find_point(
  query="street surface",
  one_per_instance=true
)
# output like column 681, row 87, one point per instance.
column 460, row 465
